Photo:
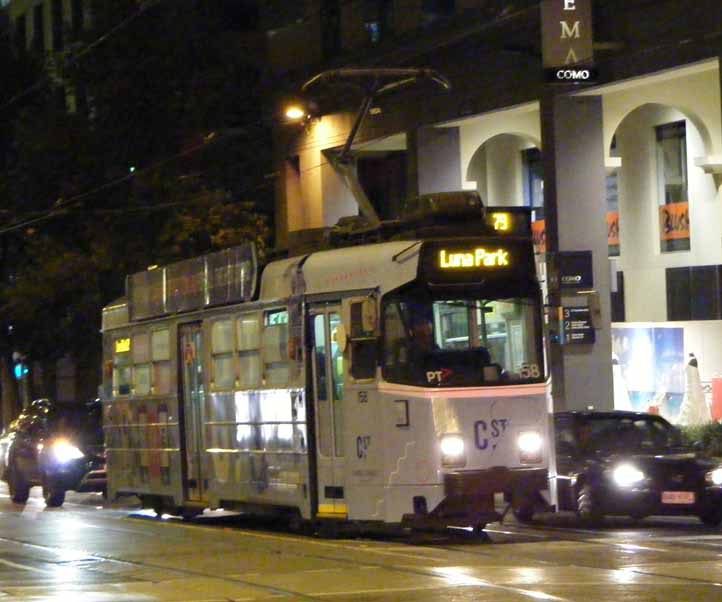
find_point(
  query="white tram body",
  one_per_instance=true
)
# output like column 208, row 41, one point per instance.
column 323, row 397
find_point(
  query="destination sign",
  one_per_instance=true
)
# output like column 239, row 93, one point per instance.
column 476, row 258
column 474, row 261
column 513, row 221
column 501, row 221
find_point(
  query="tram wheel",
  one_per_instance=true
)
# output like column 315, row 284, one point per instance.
column 154, row 502
column 186, row 513
column 478, row 530
column 524, row 513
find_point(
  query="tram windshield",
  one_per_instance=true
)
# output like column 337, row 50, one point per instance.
column 460, row 340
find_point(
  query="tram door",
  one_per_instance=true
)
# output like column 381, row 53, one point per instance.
column 192, row 394
column 328, row 376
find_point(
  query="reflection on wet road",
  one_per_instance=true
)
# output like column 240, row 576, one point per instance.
column 88, row 551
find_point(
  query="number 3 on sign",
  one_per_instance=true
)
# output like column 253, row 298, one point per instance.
column 529, row 371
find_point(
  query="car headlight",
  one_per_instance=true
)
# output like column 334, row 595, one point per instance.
column 714, row 477
column 530, row 445
column 625, row 475
column 452, row 450
column 64, row 451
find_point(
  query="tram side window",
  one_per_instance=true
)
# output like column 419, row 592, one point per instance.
column 275, row 348
column 222, row 348
column 396, row 346
column 363, row 346
column 122, row 366
column 248, row 336
column 141, row 363
column 160, row 359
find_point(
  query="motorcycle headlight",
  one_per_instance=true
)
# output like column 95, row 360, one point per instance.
column 714, row 477
column 64, row 451
column 625, row 475
column 452, row 450
column 530, row 445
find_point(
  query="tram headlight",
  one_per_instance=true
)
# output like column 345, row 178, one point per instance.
column 714, row 477
column 452, row 451
column 626, row 475
column 530, row 445
column 64, row 451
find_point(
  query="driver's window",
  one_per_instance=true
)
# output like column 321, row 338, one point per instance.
column 396, row 351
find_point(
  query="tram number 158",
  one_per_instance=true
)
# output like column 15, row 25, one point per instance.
column 485, row 433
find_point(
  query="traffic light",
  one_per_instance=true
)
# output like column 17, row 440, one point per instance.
column 20, row 368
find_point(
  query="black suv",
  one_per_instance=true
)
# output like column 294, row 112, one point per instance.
column 58, row 446
column 634, row 464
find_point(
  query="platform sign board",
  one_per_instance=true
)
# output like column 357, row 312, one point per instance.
column 577, row 326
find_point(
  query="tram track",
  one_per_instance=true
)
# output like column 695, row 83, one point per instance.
column 387, row 559
column 577, row 538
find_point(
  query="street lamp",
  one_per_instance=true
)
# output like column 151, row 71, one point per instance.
column 295, row 112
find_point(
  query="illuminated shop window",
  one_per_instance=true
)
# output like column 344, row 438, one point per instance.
column 671, row 147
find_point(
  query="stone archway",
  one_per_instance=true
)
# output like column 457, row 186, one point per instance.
column 662, row 224
column 498, row 167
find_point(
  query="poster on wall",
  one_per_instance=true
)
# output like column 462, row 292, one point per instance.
column 649, row 369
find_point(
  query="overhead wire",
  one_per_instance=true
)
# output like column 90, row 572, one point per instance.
column 57, row 209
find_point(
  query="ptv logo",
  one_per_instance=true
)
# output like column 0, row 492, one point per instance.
column 437, row 377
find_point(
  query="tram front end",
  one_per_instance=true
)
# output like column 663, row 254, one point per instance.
column 463, row 362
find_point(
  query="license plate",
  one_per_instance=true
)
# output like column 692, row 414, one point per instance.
column 678, row 497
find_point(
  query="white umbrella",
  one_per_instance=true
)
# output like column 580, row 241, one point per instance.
column 621, row 394
column 694, row 410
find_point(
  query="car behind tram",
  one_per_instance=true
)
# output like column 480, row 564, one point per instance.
column 396, row 378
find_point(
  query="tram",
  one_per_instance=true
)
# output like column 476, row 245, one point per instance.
column 396, row 377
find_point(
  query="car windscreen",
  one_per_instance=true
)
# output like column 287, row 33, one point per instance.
column 637, row 434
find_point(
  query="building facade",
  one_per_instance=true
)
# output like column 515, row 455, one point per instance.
column 627, row 168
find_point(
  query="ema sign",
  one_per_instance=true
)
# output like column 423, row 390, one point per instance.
column 477, row 258
column 567, row 41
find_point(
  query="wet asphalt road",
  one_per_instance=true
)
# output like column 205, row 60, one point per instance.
column 89, row 551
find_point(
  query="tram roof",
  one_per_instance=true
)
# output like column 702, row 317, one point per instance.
column 385, row 266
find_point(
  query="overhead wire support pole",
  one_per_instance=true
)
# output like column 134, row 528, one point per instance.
column 399, row 78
